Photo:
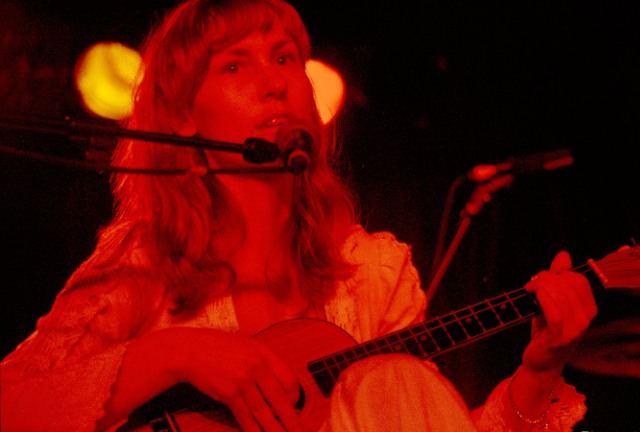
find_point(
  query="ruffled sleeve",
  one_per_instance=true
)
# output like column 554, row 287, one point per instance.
column 567, row 408
column 60, row 377
column 384, row 295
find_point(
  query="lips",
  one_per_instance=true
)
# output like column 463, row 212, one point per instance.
column 274, row 121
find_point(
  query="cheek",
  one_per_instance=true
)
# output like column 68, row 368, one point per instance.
column 215, row 112
column 304, row 98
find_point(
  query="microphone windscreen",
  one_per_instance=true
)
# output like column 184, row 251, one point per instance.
column 295, row 139
column 297, row 133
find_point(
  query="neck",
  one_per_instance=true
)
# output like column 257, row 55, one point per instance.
column 265, row 203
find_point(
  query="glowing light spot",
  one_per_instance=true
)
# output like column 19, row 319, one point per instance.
column 104, row 77
column 329, row 89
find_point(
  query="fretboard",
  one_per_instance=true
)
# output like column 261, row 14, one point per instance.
column 435, row 336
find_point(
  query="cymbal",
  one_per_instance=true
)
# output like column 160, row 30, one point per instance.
column 612, row 348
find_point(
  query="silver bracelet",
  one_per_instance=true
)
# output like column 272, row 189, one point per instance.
column 517, row 411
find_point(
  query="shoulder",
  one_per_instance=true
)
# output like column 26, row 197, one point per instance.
column 115, row 302
column 384, row 292
column 381, row 247
column 383, row 263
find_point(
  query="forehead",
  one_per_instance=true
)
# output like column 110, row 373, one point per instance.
column 229, row 23
column 270, row 39
column 233, row 25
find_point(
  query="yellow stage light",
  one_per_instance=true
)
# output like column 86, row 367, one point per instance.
column 104, row 77
column 329, row 89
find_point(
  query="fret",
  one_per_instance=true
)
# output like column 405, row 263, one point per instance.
column 334, row 370
column 384, row 346
column 475, row 311
column 454, row 329
column 360, row 352
column 393, row 338
column 381, row 344
column 322, row 377
column 330, row 362
column 350, row 356
column 370, row 348
column 486, row 315
column 396, row 343
column 409, row 345
column 345, row 363
column 413, row 347
column 403, row 342
column 439, row 335
column 502, row 310
column 398, row 347
column 470, row 322
column 339, row 359
column 524, row 303
column 426, row 341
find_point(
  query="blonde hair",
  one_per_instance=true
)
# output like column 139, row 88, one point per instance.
column 166, row 223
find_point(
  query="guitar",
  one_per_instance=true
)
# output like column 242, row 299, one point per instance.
column 319, row 362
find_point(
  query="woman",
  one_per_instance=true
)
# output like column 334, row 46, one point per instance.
column 193, row 266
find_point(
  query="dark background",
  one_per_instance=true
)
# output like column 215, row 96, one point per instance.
column 434, row 88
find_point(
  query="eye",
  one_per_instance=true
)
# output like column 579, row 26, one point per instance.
column 232, row 68
column 286, row 58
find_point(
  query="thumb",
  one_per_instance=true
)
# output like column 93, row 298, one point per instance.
column 561, row 262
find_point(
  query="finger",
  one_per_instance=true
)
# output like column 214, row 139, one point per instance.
column 551, row 307
column 583, row 290
column 253, row 413
column 561, row 299
column 537, row 281
column 286, row 378
column 243, row 415
column 572, row 296
column 561, row 262
column 276, row 395
column 566, row 298
column 261, row 409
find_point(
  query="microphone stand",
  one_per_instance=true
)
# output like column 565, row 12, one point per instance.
column 480, row 195
column 254, row 150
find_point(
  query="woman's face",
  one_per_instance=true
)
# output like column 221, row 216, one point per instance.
column 251, row 88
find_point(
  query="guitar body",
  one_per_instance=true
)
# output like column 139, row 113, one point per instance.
column 297, row 341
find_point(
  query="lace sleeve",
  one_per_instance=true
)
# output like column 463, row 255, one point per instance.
column 384, row 294
column 567, row 408
column 60, row 377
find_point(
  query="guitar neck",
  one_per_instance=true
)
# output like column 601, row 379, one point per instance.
column 435, row 336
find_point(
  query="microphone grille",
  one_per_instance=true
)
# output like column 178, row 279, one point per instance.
column 297, row 133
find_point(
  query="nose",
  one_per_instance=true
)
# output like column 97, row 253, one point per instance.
column 275, row 84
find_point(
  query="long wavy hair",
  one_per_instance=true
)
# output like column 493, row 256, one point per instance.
column 165, row 224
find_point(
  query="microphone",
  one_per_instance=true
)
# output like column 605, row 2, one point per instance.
column 545, row 161
column 295, row 138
